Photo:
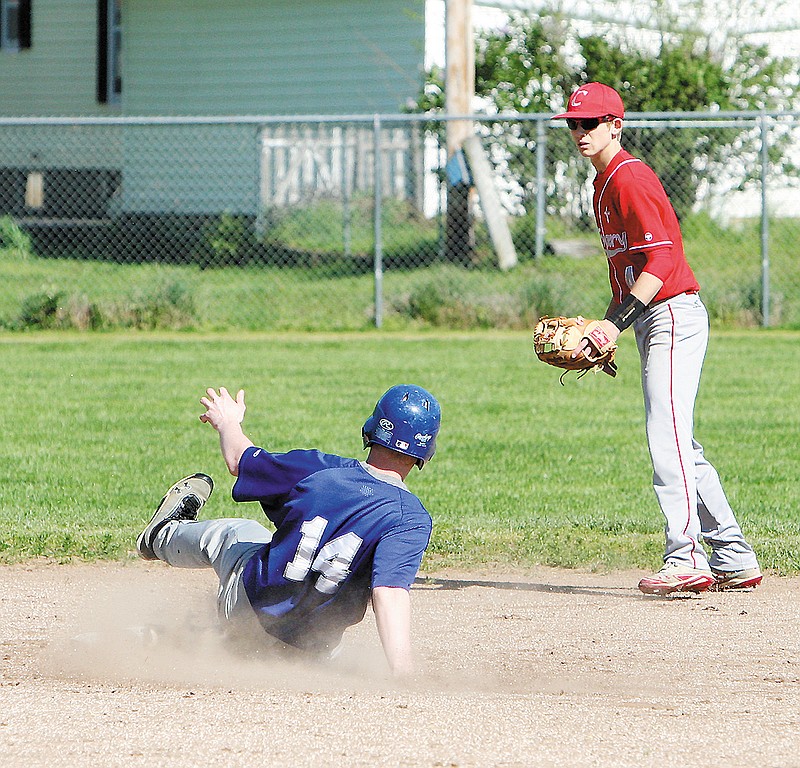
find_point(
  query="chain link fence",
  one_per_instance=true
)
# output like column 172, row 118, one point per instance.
column 355, row 222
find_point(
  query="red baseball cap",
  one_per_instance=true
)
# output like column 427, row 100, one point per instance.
column 593, row 100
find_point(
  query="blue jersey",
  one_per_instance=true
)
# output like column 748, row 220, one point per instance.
column 340, row 531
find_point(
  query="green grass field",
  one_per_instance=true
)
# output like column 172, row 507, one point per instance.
column 97, row 426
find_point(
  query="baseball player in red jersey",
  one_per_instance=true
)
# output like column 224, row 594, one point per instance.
column 654, row 290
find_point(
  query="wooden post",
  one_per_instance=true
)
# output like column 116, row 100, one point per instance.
column 496, row 222
column 459, row 92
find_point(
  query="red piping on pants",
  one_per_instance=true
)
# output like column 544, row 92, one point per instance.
column 675, row 429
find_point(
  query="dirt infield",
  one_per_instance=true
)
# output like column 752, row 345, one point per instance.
column 121, row 665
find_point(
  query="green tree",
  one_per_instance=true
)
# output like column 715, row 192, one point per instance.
column 686, row 74
column 521, row 67
column 525, row 67
column 680, row 76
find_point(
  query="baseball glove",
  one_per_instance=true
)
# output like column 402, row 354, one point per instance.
column 555, row 339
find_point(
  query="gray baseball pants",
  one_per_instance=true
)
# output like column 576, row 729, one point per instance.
column 225, row 544
column 672, row 337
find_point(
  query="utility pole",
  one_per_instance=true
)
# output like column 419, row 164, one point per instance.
column 459, row 92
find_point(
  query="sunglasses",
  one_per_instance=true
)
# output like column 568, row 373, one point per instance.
column 589, row 124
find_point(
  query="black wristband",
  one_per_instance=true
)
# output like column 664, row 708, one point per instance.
column 626, row 313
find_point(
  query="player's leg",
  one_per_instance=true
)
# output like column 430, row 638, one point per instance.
column 225, row 545
column 731, row 553
column 175, row 536
column 670, row 376
column 217, row 544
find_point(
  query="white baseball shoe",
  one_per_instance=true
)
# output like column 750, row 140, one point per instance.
column 181, row 502
column 674, row 577
column 747, row 579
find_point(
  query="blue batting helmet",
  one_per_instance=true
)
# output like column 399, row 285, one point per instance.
column 406, row 419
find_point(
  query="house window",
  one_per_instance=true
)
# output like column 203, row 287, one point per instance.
column 15, row 24
column 109, row 51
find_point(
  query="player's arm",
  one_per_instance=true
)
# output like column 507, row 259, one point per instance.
column 226, row 415
column 621, row 316
column 646, row 287
column 392, row 607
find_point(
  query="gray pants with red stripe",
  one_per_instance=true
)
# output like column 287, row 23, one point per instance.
column 672, row 337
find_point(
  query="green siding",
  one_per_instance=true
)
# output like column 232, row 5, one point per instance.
column 278, row 57
column 206, row 57
column 203, row 57
column 191, row 169
column 51, row 146
column 57, row 75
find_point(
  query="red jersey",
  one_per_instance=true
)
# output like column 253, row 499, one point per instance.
column 639, row 229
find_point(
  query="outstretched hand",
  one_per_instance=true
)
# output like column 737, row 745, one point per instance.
column 226, row 414
column 221, row 408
